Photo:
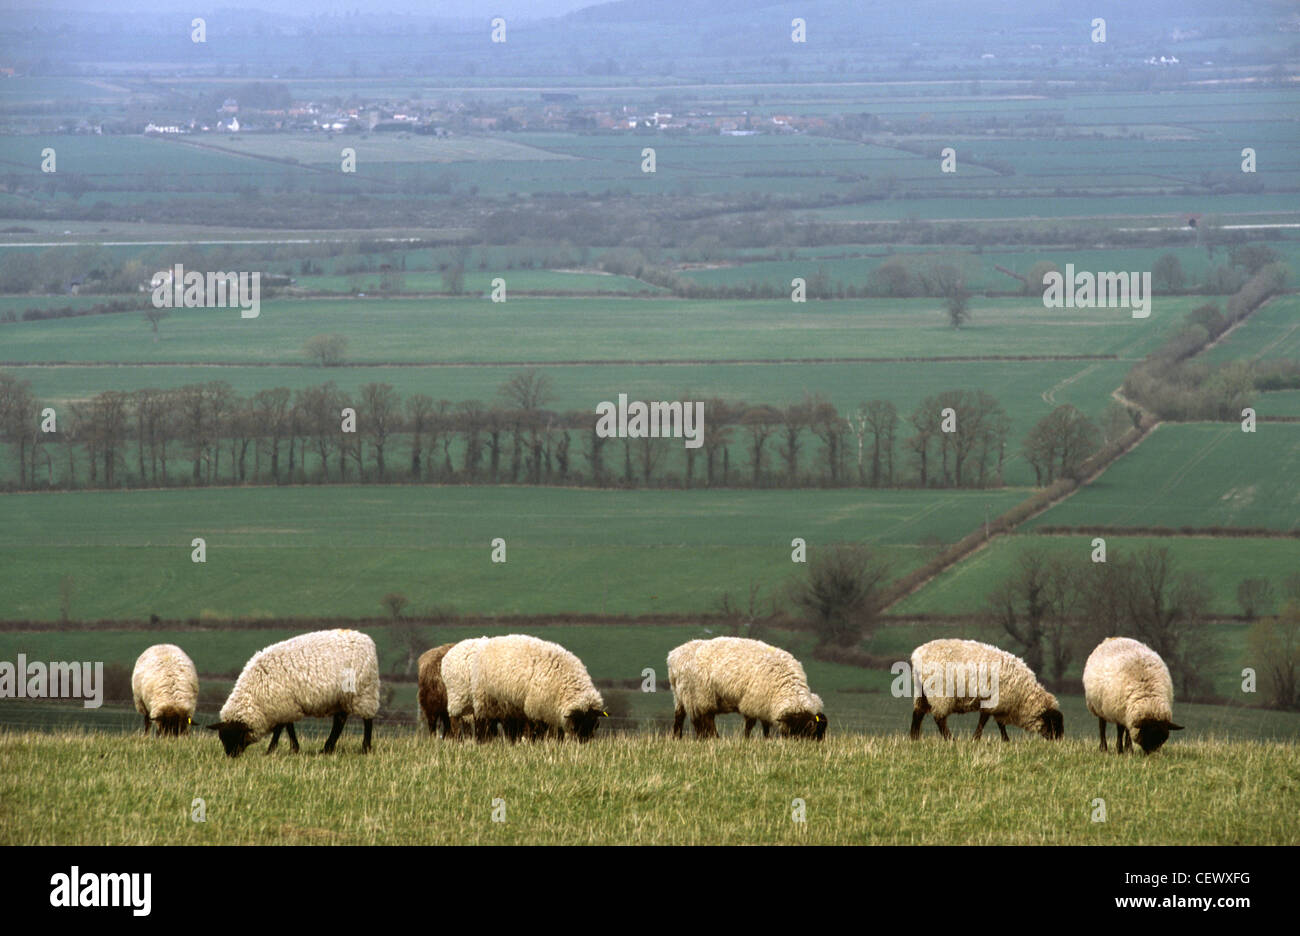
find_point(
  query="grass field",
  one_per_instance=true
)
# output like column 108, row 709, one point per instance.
column 1195, row 475
column 337, row 550
column 1272, row 332
column 1220, row 562
column 72, row 788
column 582, row 329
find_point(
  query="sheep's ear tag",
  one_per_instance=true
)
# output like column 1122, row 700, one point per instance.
column 606, row 714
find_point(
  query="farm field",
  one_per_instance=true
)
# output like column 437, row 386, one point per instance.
column 979, row 266
column 1272, row 332
column 1195, row 475
column 644, row 791
column 337, row 550
column 542, row 330
column 1219, row 562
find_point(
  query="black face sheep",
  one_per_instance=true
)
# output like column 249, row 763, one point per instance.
column 1126, row 682
column 325, row 673
column 433, row 691
column 165, row 687
column 524, row 683
column 735, row 674
column 957, row 676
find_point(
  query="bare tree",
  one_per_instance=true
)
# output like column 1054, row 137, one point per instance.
column 841, row 593
column 380, row 412
column 153, row 315
column 326, row 350
column 419, row 413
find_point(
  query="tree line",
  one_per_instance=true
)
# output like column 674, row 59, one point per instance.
column 207, row 433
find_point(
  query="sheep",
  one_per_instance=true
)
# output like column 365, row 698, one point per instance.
column 532, row 686
column 1126, row 682
column 165, row 687
column 456, row 669
column 333, row 672
column 433, row 691
column 958, row 676
column 735, row 674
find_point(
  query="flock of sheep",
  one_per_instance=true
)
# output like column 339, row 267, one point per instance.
column 524, row 687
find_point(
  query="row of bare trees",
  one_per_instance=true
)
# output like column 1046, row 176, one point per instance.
column 207, row 433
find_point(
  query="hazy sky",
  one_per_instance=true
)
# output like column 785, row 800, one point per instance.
column 438, row 8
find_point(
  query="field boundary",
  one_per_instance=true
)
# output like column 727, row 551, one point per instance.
column 595, row 362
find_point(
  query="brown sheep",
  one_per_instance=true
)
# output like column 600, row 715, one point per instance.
column 433, row 692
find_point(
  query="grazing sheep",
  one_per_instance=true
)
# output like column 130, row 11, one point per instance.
column 532, row 686
column 735, row 674
column 958, row 676
column 433, row 691
column 1126, row 682
column 457, row 668
column 165, row 687
column 333, row 672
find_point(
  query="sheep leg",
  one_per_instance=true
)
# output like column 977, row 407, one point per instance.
column 445, row 720
column 1101, row 724
column 767, row 729
column 146, row 725
column 679, row 716
column 293, row 737
column 1121, row 734
column 979, row 729
column 943, row 727
column 917, row 717
column 368, row 724
column 749, row 725
column 340, row 719
column 275, row 738
column 1003, row 728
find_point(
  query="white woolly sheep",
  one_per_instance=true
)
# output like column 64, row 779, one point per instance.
column 457, row 669
column 735, row 674
column 530, row 686
column 958, row 676
column 333, row 672
column 1126, row 682
column 165, row 687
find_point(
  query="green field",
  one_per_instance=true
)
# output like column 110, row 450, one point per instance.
column 1272, row 332
column 1220, row 562
column 580, row 329
column 1195, row 475
column 336, row 550
column 71, row 788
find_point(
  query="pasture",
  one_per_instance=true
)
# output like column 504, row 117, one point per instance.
column 88, row 789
